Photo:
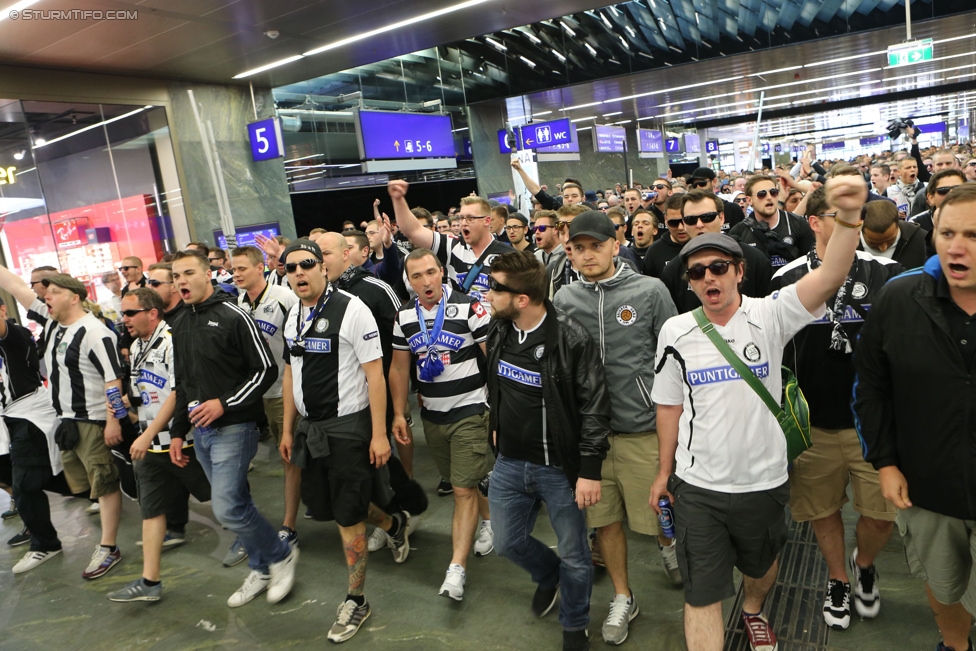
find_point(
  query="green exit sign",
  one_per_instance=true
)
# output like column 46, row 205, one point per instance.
column 906, row 54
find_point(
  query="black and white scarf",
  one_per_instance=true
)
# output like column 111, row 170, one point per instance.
column 838, row 338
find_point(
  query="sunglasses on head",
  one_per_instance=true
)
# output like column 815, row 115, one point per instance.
column 496, row 286
column 761, row 194
column 308, row 263
column 718, row 268
column 706, row 218
column 157, row 283
column 132, row 313
column 699, row 183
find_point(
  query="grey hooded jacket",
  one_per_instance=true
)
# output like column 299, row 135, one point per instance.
column 624, row 315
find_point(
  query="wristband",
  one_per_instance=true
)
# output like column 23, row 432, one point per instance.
column 841, row 222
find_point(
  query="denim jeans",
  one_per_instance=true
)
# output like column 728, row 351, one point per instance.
column 225, row 454
column 517, row 490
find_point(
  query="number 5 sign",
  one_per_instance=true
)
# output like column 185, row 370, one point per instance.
column 265, row 137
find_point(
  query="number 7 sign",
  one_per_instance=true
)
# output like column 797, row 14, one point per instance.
column 265, row 137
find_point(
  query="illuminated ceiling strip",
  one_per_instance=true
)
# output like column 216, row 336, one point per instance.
column 363, row 36
column 18, row 6
column 92, row 126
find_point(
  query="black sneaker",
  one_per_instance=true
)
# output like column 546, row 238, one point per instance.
column 20, row 539
column 544, row 599
column 867, row 597
column 576, row 640
column 837, row 605
column 12, row 512
column 444, row 488
column 943, row 647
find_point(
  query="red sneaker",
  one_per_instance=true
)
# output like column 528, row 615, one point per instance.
column 761, row 636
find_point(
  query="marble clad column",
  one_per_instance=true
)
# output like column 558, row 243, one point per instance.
column 257, row 191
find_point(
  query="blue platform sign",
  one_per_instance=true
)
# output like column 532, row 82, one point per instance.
column 711, row 146
column 265, row 137
column 405, row 135
column 672, row 145
column 650, row 141
column 545, row 134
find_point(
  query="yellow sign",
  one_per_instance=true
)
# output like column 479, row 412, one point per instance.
column 8, row 175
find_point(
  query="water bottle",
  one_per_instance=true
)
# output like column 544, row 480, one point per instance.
column 115, row 401
column 666, row 517
column 201, row 429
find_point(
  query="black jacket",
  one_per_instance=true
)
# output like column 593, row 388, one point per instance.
column 219, row 352
column 574, row 389
column 910, row 250
column 381, row 300
column 914, row 397
column 660, row 254
column 798, row 242
column 755, row 283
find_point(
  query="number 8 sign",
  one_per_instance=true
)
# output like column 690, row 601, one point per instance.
column 265, row 137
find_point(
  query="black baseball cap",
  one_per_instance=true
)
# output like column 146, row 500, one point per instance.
column 703, row 173
column 519, row 216
column 594, row 223
column 716, row 241
column 302, row 244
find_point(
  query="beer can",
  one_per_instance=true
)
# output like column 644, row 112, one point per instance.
column 115, row 401
column 189, row 408
column 666, row 517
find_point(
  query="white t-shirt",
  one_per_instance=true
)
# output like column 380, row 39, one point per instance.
column 269, row 312
column 728, row 439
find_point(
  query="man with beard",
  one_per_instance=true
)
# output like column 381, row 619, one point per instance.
column 780, row 236
column 545, row 234
column 517, row 228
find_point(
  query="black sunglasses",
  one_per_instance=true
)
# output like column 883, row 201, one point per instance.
column 617, row 227
column 718, row 268
column 761, row 194
column 157, row 283
column 674, row 223
column 125, row 268
column 496, row 286
column 944, row 191
column 659, row 186
column 699, row 183
column 132, row 313
column 306, row 264
column 706, row 218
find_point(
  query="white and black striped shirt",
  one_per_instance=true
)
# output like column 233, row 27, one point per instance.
column 458, row 258
column 460, row 390
column 328, row 380
column 80, row 358
column 269, row 312
column 153, row 379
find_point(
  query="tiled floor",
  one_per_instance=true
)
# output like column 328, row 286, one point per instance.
column 53, row 608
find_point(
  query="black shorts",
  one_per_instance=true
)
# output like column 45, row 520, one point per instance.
column 339, row 487
column 160, row 481
column 718, row 531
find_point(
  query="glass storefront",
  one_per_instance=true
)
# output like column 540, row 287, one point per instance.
column 83, row 186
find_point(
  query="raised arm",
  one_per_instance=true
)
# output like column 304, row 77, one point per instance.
column 530, row 183
column 409, row 225
column 16, row 287
column 847, row 194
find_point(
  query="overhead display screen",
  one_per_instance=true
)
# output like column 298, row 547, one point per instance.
column 405, row 135
column 692, row 143
column 609, row 140
column 650, row 141
column 571, row 147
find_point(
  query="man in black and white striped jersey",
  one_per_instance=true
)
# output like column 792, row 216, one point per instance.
column 443, row 330
column 83, row 363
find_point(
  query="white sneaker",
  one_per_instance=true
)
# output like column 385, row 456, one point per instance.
column 669, row 557
column 377, row 540
column 282, row 577
column 485, row 541
column 94, row 509
column 254, row 584
column 623, row 610
column 453, row 585
column 33, row 559
column 411, row 523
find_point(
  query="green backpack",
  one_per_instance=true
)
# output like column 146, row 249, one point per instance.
column 793, row 415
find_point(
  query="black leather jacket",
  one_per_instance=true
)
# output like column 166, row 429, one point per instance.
column 574, row 388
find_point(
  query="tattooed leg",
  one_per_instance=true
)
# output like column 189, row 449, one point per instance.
column 378, row 517
column 354, row 542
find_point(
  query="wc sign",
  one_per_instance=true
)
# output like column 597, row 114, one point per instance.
column 546, row 134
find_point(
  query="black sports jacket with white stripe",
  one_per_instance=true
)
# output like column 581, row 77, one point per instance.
column 219, row 352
